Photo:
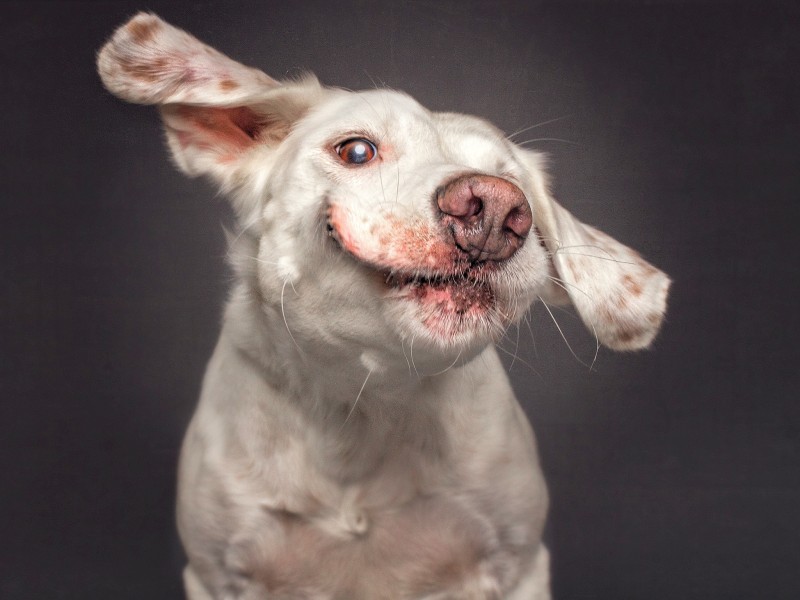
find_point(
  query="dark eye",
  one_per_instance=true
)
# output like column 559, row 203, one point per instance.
column 357, row 151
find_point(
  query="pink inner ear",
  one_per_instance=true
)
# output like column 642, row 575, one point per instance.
column 224, row 129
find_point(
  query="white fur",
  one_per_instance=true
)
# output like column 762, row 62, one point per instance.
column 351, row 440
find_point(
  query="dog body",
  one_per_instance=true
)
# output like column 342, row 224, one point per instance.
column 356, row 436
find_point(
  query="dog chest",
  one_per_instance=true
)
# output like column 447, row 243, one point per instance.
column 430, row 545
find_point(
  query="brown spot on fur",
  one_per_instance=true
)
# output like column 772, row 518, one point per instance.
column 606, row 314
column 632, row 285
column 142, row 31
column 621, row 302
column 626, row 335
column 145, row 71
column 228, row 85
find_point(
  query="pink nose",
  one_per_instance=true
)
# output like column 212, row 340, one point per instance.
column 489, row 217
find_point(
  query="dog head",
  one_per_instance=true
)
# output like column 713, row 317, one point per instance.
column 387, row 221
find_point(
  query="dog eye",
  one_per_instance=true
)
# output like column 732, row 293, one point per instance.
column 357, row 151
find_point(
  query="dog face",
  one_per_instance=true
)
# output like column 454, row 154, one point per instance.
column 399, row 224
column 373, row 171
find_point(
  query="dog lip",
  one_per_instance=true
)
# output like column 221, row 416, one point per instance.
column 462, row 272
column 394, row 278
column 473, row 272
column 456, row 295
column 462, row 289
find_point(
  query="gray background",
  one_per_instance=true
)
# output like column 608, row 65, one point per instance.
column 674, row 473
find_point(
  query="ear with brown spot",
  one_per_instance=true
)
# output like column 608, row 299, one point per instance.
column 619, row 296
column 215, row 110
column 148, row 61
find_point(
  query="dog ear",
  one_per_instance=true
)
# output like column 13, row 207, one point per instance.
column 618, row 295
column 215, row 110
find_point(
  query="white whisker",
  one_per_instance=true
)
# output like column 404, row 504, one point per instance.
column 403, row 348
column 244, row 229
column 571, row 142
column 524, row 129
column 562, row 333
column 285, row 322
column 352, row 408
column 453, row 364
column 411, row 352
column 562, row 284
column 609, row 258
column 515, row 357
column 527, row 318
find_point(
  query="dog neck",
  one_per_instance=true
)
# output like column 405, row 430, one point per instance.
column 361, row 409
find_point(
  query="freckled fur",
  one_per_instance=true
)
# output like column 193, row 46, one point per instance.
column 353, row 441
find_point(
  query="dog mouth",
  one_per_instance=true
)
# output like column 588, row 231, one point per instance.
column 458, row 294
column 451, row 295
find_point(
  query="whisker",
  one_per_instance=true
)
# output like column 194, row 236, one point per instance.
column 367, row 102
column 562, row 333
column 372, row 80
column 596, row 348
column 411, row 352
column 380, row 178
column 453, row 364
column 352, row 408
column 527, row 318
column 524, row 362
column 531, row 141
column 516, row 346
column 560, row 250
column 263, row 262
column 609, row 258
column 524, row 129
column 397, row 185
column 403, row 348
column 561, row 283
column 244, row 229
column 285, row 322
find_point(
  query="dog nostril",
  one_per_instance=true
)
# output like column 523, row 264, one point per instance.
column 477, row 207
column 518, row 222
column 460, row 201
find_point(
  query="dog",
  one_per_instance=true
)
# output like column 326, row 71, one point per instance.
column 356, row 435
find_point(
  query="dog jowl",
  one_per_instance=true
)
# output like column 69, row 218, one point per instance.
column 356, row 435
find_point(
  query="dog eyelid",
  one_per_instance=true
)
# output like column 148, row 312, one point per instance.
column 356, row 151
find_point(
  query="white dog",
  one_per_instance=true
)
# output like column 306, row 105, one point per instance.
column 357, row 437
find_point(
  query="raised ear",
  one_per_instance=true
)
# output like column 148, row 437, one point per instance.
column 619, row 296
column 215, row 110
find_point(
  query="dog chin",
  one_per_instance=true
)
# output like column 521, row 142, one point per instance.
column 451, row 316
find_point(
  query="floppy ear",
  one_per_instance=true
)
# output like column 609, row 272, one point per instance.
column 618, row 295
column 215, row 110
